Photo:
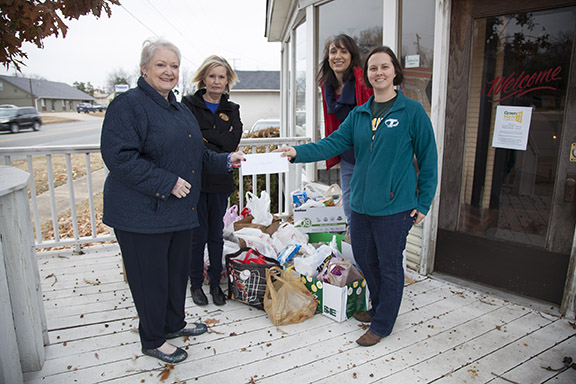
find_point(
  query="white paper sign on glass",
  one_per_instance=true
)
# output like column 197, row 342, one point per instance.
column 262, row 163
column 511, row 127
column 412, row 61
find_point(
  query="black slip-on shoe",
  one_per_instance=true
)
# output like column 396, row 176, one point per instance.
column 177, row 356
column 197, row 330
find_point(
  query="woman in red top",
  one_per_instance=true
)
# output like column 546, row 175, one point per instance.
column 340, row 77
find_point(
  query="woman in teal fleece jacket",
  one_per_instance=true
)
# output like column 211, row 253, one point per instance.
column 389, row 190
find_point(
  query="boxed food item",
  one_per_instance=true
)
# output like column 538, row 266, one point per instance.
column 319, row 208
column 320, row 219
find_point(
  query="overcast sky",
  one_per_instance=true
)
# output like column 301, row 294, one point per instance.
column 94, row 48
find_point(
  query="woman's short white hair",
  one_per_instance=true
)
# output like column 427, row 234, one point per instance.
column 149, row 48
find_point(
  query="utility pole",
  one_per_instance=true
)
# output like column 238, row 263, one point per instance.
column 31, row 94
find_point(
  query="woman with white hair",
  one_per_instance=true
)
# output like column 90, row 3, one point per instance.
column 154, row 150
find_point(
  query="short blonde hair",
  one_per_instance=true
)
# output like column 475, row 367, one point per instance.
column 209, row 64
column 149, row 48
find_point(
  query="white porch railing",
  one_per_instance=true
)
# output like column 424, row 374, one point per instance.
column 286, row 183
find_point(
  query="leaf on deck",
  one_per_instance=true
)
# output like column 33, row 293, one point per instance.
column 163, row 375
column 54, row 276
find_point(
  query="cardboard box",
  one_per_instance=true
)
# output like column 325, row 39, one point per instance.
column 338, row 303
column 320, row 219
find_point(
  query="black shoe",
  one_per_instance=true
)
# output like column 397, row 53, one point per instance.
column 197, row 330
column 173, row 358
column 218, row 296
column 198, row 296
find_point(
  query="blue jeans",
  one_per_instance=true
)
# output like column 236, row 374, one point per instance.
column 378, row 243
column 211, row 209
column 346, row 170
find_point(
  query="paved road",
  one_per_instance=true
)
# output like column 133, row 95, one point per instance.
column 85, row 131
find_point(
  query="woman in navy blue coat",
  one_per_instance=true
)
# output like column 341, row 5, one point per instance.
column 154, row 150
column 221, row 127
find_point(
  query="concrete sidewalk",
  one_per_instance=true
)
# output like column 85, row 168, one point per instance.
column 62, row 196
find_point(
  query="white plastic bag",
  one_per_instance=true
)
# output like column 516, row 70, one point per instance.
column 318, row 191
column 311, row 204
column 255, row 238
column 228, row 248
column 287, row 234
column 334, row 247
column 259, row 207
column 309, row 265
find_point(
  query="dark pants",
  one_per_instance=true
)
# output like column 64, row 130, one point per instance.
column 211, row 209
column 156, row 266
column 378, row 243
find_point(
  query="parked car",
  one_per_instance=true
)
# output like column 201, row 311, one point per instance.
column 84, row 107
column 13, row 119
column 99, row 107
column 264, row 128
column 8, row 106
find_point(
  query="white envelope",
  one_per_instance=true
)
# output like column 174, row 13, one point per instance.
column 262, row 163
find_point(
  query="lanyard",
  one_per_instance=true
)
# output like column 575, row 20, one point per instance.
column 375, row 123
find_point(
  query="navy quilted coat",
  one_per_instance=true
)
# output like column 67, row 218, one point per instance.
column 148, row 142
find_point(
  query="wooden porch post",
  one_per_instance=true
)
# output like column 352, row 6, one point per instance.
column 21, row 270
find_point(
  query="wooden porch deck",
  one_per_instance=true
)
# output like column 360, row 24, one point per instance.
column 445, row 334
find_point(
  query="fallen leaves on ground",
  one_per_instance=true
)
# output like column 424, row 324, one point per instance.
column 211, row 321
column 165, row 373
column 54, row 276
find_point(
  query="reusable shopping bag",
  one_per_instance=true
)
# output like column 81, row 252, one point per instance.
column 247, row 276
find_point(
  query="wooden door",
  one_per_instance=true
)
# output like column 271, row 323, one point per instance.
column 507, row 212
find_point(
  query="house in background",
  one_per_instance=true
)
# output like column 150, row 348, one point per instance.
column 44, row 95
column 258, row 94
column 103, row 97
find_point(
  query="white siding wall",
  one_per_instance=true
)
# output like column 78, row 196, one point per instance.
column 255, row 105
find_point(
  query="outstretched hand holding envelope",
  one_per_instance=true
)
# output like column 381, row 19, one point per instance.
column 262, row 163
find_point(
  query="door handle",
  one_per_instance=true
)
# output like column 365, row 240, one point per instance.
column 570, row 188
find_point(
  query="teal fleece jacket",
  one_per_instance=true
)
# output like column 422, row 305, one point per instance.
column 385, row 179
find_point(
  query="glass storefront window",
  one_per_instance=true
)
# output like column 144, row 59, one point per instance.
column 517, row 60
column 417, row 50
column 360, row 19
column 299, row 117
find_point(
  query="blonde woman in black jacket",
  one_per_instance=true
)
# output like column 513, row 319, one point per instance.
column 221, row 127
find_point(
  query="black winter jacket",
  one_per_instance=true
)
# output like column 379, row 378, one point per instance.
column 222, row 132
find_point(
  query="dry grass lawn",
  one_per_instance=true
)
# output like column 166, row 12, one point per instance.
column 39, row 165
column 47, row 118
column 66, row 228
column 59, row 171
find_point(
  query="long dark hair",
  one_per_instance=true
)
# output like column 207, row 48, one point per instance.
column 397, row 67
column 325, row 73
